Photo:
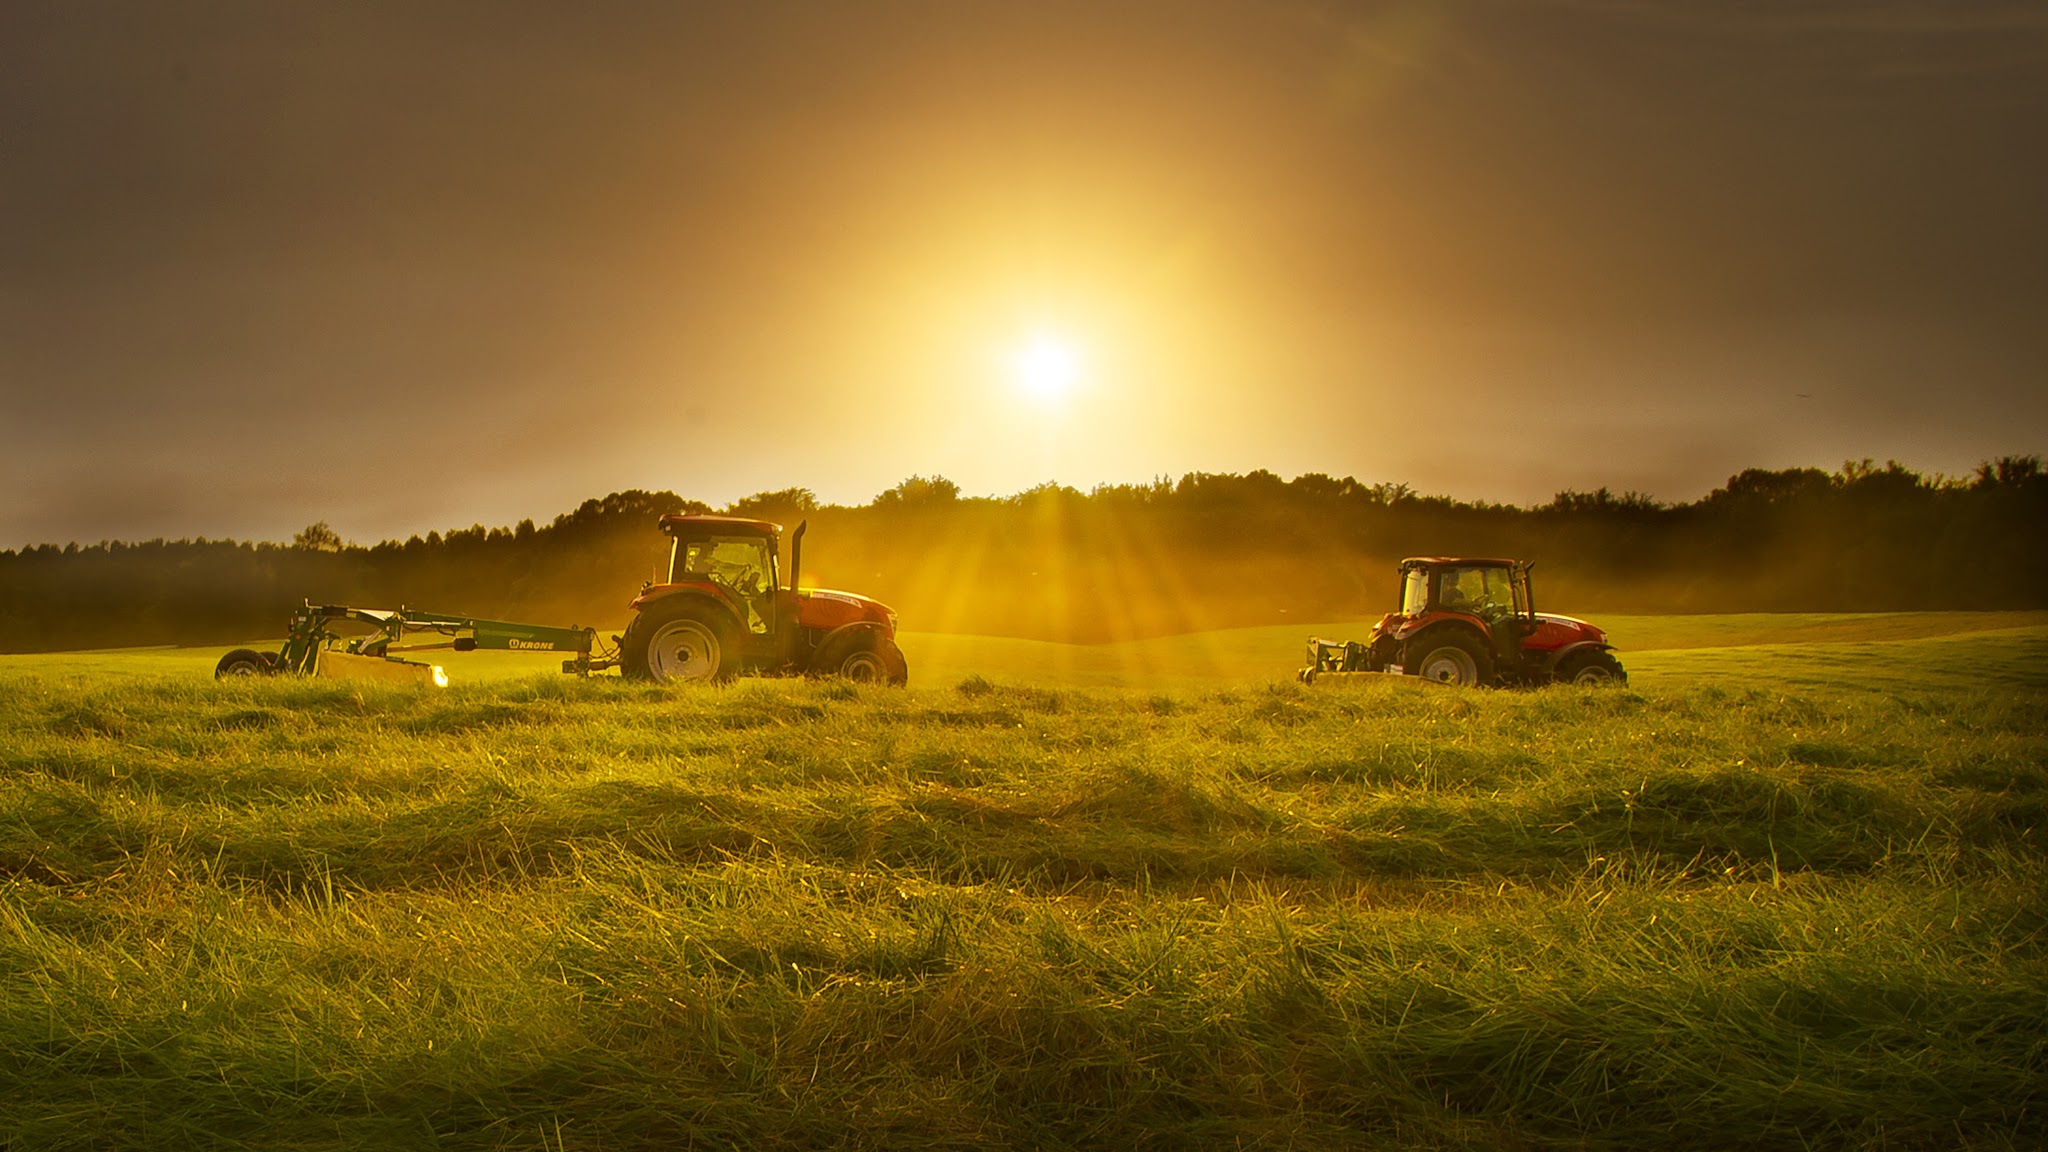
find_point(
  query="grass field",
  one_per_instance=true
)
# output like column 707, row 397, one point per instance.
column 1786, row 890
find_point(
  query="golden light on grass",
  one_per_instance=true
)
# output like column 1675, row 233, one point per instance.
column 1236, row 827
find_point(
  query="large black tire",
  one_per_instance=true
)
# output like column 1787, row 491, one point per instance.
column 680, row 641
column 245, row 662
column 1450, row 658
column 1594, row 669
column 864, row 657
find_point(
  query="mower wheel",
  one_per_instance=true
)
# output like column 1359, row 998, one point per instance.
column 245, row 662
column 682, row 642
column 1590, row 669
column 864, row 657
column 1452, row 660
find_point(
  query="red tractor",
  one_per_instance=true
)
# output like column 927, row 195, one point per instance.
column 723, row 611
column 1471, row 622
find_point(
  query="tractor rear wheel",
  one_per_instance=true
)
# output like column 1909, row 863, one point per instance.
column 686, row 643
column 864, row 657
column 1453, row 660
column 1590, row 669
column 245, row 662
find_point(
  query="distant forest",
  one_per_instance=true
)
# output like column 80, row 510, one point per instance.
column 1119, row 562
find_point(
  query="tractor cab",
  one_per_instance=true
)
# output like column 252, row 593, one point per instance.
column 1493, row 590
column 1487, row 593
column 734, row 558
column 1495, row 593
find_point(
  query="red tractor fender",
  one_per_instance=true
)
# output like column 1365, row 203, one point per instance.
column 829, row 644
column 1410, row 627
column 1458, row 622
column 1554, row 658
column 845, row 630
column 709, row 594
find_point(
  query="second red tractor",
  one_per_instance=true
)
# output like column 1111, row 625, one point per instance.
column 1467, row 621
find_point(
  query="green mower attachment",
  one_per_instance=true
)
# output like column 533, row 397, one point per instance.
column 313, row 648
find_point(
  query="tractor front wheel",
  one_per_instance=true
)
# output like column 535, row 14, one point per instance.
column 245, row 662
column 1453, row 660
column 1590, row 669
column 684, row 643
column 865, row 657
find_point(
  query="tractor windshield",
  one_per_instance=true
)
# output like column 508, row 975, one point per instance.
column 1487, row 593
column 742, row 565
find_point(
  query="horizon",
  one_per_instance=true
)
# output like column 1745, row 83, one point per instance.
column 543, row 520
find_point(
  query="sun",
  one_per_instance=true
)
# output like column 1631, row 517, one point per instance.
column 1046, row 368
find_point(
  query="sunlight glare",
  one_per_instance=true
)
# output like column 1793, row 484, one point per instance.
column 1046, row 368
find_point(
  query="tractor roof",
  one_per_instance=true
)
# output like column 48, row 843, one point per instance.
column 685, row 524
column 1455, row 562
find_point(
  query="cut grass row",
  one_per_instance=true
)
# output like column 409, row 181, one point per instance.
column 1653, row 645
column 1745, row 906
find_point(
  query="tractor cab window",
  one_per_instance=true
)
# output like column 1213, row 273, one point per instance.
column 742, row 565
column 1486, row 593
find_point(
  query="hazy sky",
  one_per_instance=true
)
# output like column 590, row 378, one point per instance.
column 411, row 265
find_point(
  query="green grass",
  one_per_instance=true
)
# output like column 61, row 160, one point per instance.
column 1782, row 895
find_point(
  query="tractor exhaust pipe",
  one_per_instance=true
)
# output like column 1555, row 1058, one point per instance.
column 796, row 553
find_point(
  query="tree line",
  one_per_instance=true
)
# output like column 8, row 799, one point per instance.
column 1201, row 551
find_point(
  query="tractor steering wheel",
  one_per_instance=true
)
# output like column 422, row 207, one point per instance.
column 747, row 587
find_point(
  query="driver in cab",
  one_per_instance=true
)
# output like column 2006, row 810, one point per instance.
column 734, row 567
column 1452, row 598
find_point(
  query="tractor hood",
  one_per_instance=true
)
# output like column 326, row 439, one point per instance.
column 826, row 608
column 1554, row 631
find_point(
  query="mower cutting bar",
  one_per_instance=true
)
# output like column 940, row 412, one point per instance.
column 1337, row 656
column 311, row 634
